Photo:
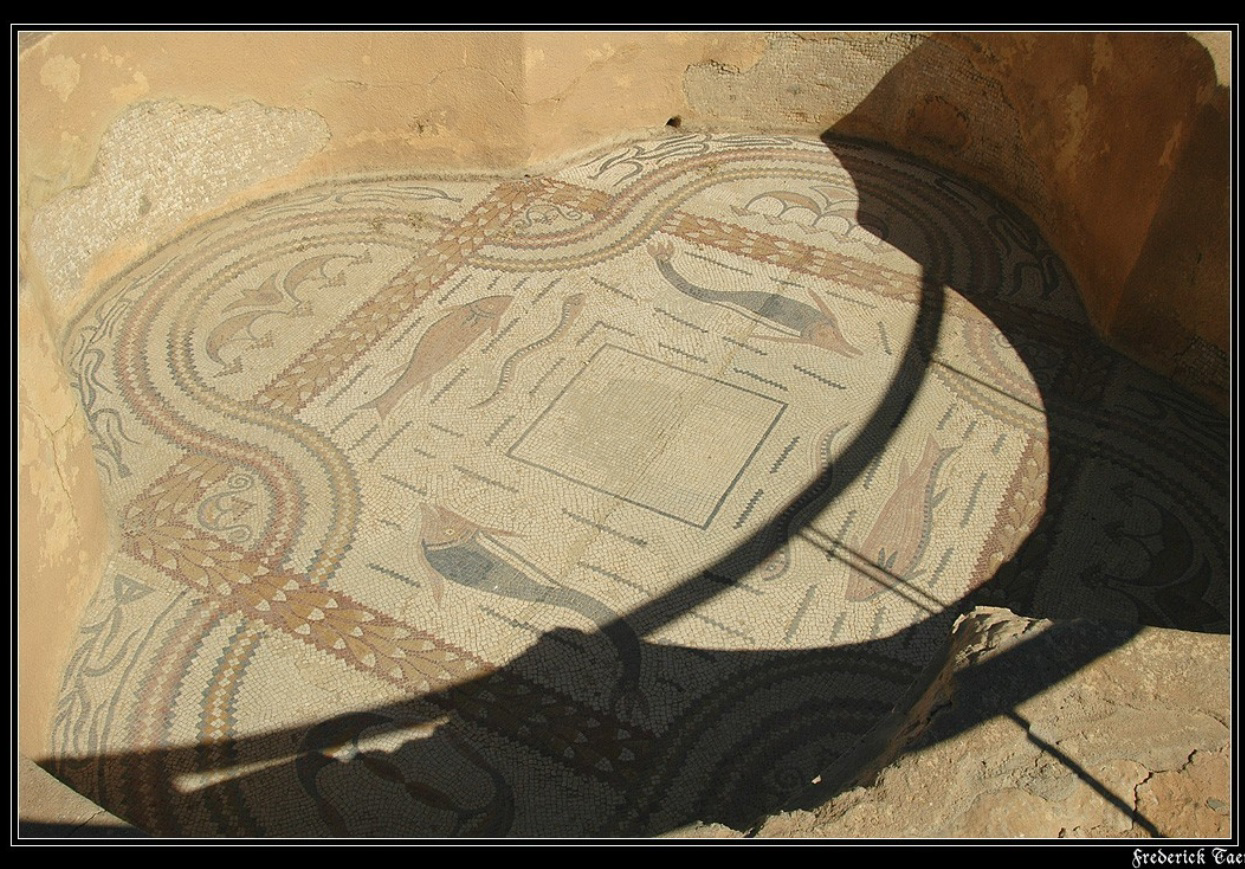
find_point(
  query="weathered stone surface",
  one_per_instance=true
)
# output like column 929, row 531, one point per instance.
column 1192, row 799
column 1133, row 744
column 159, row 164
column 62, row 528
column 703, row 831
column 47, row 808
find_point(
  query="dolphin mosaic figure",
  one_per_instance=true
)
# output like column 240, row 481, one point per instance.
column 452, row 549
column 816, row 326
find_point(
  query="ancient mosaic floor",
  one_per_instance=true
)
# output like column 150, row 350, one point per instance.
column 598, row 502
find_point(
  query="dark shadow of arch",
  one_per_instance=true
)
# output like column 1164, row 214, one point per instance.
column 483, row 753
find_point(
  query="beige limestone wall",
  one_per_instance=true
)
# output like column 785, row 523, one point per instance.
column 1130, row 132
column 1115, row 144
column 581, row 89
column 62, row 529
column 126, row 136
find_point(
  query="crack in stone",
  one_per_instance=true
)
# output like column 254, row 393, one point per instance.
column 52, row 434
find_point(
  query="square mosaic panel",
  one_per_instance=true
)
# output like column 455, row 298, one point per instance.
column 647, row 433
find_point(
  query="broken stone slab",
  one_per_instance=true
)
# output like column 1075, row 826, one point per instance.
column 1041, row 729
column 48, row 809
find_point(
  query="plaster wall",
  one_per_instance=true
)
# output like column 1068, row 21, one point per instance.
column 1116, row 145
